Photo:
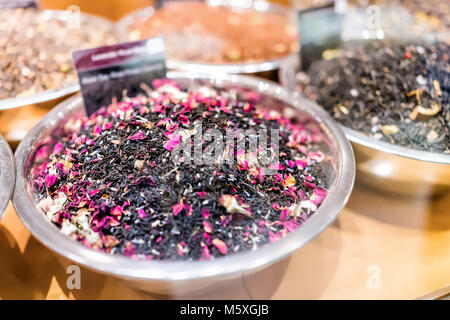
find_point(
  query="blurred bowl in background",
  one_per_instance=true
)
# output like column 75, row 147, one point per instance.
column 386, row 167
column 280, row 68
column 19, row 114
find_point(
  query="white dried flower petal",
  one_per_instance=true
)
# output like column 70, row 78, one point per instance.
column 232, row 205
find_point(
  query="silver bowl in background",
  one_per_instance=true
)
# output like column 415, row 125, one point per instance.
column 54, row 94
column 24, row 112
column 383, row 166
column 398, row 170
column 281, row 69
column 176, row 277
column 7, row 174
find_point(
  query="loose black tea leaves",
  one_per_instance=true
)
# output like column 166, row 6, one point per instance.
column 113, row 183
column 391, row 90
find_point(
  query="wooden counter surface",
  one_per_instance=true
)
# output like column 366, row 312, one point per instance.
column 378, row 248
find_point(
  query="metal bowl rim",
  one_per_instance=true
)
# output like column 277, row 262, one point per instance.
column 7, row 174
column 386, row 147
column 233, row 68
column 49, row 95
column 127, row 268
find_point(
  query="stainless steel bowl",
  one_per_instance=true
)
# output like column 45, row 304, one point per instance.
column 7, row 174
column 169, row 277
column 386, row 167
column 398, row 170
column 18, row 115
column 50, row 95
column 282, row 69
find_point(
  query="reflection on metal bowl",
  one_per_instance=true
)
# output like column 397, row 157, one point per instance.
column 7, row 174
column 398, row 170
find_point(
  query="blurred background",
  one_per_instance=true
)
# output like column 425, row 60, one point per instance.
column 114, row 9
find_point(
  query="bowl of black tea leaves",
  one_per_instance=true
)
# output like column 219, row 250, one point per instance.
column 193, row 181
column 391, row 95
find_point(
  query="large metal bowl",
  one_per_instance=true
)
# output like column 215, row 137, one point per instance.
column 398, row 170
column 386, row 167
column 282, row 69
column 169, row 277
column 7, row 174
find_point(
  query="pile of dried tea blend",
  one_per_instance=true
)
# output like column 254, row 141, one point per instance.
column 35, row 50
column 112, row 184
column 393, row 91
column 196, row 32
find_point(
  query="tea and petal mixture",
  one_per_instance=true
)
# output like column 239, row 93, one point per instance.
column 36, row 47
column 112, row 184
column 391, row 90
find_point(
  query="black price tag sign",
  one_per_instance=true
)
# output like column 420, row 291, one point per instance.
column 14, row 4
column 319, row 29
column 319, row 24
column 105, row 72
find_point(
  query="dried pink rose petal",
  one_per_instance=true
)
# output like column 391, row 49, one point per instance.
column 173, row 142
column 318, row 196
column 207, row 227
column 284, row 214
column 220, row 245
column 58, row 147
column 205, row 213
column 107, row 125
column 142, row 213
column 180, row 249
column 201, row 194
column 176, row 209
column 205, row 251
column 117, row 211
column 273, row 237
column 50, row 180
column 183, row 119
column 138, row 136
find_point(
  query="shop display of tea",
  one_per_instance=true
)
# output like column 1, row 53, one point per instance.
column 35, row 49
column 393, row 90
column 186, row 173
column 197, row 32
